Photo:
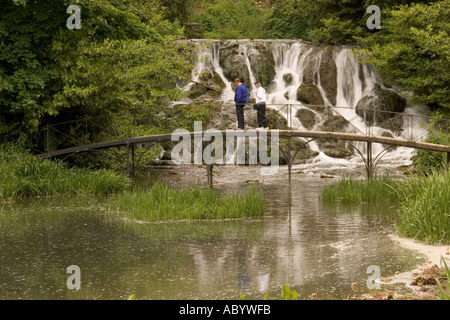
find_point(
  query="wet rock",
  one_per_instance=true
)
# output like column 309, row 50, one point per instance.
column 380, row 106
column 311, row 70
column 307, row 118
column 335, row 148
column 287, row 77
column 262, row 63
column 328, row 74
column 309, row 94
column 233, row 63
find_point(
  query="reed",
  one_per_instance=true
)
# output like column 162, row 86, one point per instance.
column 350, row 190
column 425, row 208
column 23, row 175
column 424, row 202
column 164, row 203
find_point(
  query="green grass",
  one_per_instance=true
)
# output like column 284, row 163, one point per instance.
column 425, row 208
column 23, row 175
column 349, row 190
column 424, row 202
column 164, row 203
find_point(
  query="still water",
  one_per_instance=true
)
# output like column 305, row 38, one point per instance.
column 302, row 242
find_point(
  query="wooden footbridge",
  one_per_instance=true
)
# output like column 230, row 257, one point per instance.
column 289, row 152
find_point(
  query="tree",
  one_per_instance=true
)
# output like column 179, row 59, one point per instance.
column 325, row 21
column 123, row 60
column 412, row 51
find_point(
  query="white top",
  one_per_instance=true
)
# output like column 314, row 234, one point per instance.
column 260, row 95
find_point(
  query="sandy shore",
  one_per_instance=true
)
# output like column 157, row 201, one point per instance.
column 433, row 253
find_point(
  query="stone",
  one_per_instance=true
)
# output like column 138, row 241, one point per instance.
column 233, row 63
column 287, row 77
column 381, row 105
column 262, row 63
column 328, row 74
column 309, row 94
column 307, row 118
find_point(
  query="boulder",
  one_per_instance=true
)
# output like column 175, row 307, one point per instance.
column 233, row 63
column 335, row 148
column 307, row 118
column 309, row 94
column 380, row 106
column 287, row 77
column 262, row 63
column 328, row 74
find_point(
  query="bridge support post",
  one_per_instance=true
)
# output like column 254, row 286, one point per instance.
column 289, row 160
column 209, row 174
column 130, row 162
column 448, row 160
column 369, row 160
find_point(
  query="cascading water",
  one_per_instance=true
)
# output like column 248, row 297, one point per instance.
column 340, row 80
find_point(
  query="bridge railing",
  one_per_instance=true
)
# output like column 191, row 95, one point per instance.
column 410, row 125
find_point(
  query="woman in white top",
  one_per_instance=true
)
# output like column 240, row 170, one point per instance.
column 260, row 105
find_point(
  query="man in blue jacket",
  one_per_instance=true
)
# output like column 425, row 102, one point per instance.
column 240, row 98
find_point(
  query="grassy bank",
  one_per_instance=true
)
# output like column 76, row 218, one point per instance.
column 23, row 175
column 424, row 202
column 164, row 203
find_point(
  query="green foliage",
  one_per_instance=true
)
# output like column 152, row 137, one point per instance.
column 428, row 162
column 288, row 294
column 240, row 19
column 425, row 208
column 25, row 175
column 180, row 10
column 164, row 203
column 424, row 202
column 124, row 61
column 350, row 190
column 412, row 49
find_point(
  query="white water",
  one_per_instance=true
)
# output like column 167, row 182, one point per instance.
column 291, row 57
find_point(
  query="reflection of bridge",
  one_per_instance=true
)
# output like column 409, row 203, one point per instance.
column 290, row 154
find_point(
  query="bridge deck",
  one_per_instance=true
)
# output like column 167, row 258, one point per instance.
column 282, row 133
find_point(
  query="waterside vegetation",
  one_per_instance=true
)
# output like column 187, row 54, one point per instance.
column 164, row 203
column 424, row 202
column 24, row 175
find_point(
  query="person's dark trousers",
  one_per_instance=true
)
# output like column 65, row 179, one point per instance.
column 240, row 115
column 261, row 114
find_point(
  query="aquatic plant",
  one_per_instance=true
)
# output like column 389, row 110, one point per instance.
column 24, row 175
column 164, row 203
column 424, row 202
column 350, row 190
column 425, row 208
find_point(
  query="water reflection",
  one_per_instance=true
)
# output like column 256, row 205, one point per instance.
column 312, row 247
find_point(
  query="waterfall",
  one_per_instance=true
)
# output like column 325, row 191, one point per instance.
column 334, row 72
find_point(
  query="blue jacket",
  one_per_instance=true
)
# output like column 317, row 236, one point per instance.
column 240, row 96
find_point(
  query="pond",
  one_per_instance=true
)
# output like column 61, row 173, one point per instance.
column 313, row 247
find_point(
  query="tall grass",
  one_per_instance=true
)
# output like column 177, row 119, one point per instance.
column 425, row 208
column 164, row 203
column 424, row 202
column 350, row 190
column 22, row 175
